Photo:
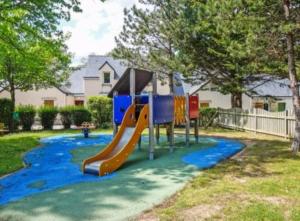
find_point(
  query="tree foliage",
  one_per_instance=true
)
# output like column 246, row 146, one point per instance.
column 146, row 40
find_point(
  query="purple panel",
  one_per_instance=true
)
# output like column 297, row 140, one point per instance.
column 163, row 109
column 121, row 104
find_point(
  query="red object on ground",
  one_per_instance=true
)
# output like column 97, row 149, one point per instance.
column 194, row 107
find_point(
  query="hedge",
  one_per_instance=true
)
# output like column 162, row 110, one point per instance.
column 101, row 110
column 66, row 116
column 6, row 109
column 47, row 115
column 80, row 115
column 26, row 116
column 207, row 116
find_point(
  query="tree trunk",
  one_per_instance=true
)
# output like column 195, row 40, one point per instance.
column 13, row 100
column 236, row 100
column 171, row 83
column 293, row 78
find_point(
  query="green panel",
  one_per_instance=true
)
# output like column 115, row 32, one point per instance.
column 281, row 106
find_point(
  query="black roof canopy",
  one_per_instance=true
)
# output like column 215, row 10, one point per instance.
column 142, row 79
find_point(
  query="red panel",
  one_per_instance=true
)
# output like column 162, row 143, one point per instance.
column 194, row 107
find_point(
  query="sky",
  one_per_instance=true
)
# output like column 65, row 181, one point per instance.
column 93, row 30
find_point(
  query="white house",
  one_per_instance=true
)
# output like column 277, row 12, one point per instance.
column 96, row 77
column 273, row 95
column 100, row 73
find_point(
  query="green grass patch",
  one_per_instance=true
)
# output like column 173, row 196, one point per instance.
column 262, row 183
column 13, row 147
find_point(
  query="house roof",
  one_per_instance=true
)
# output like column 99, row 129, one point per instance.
column 95, row 62
column 272, row 88
column 75, row 83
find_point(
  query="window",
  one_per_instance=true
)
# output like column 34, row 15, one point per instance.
column 204, row 105
column 49, row 103
column 259, row 105
column 79, row 103
column 106, row 79
column 281, row 106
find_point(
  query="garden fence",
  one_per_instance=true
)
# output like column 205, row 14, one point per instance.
column 258, row 120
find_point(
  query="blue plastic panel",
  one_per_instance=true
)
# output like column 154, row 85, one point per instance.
column 163, row 109
column 142, row 99
column 121, row 104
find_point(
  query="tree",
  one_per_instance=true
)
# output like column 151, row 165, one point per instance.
column 291, row 14
column 217, row 42
column 147, row 38
column 33, row 64
column 234, row 41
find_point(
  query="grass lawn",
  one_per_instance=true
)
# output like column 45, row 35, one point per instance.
column 12, row 147
column 261, row 183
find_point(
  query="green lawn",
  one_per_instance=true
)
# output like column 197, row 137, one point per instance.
column 12, row 147
column 261, row 183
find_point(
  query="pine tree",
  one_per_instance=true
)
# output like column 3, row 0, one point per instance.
column 147, row 38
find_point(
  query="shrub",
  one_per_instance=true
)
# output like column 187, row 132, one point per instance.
column 48, row 115
column 101, row 109
column 80, row 115
column 6, row 109
column 26, row 116
column 207, row 116
column 106, row 125
column 66, row 116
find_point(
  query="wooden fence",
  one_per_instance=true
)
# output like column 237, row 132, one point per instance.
column 258, row 120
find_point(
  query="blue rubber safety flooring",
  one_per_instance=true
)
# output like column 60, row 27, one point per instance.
column 51, row 166
column 209, row 157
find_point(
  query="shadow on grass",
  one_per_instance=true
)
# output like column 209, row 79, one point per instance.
column 254, row 160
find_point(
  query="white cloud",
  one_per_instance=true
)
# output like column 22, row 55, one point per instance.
column 93, row 30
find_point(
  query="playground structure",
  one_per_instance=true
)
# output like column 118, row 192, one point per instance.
column 133, row 113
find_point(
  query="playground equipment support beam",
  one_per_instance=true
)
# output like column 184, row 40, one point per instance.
column 154, row 89
column 187, row 119
column 151, row 128
column 132, row 85
column 115, row 126
column 196, row 130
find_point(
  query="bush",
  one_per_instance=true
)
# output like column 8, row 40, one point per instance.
column 26, row 116
column 6, row 111
column 66, row 116
column 48, row 115
column 101, row 109
column 207, row 116
column 80, row 115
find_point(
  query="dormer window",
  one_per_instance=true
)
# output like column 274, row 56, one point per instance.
column 106, row 77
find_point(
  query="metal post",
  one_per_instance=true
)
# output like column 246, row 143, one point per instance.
column 187, row 119
column 151, row 128
column 157, row 133
column 197, row 130
column 172, row 132
column 154, row 90
column 132, row 85
column 115, row 126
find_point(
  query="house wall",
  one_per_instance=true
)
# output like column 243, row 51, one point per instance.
column 91, row 87
column 37, row 97
column 216, row 99
column 104, row 87
column 162, row 88
column 273, row 102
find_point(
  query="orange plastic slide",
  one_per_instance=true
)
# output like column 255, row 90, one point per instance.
column 115, row 154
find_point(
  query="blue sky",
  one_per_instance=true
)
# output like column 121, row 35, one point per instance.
column 93, row 30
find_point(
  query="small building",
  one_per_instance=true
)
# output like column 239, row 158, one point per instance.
column 273, row 95
column 96, row 77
